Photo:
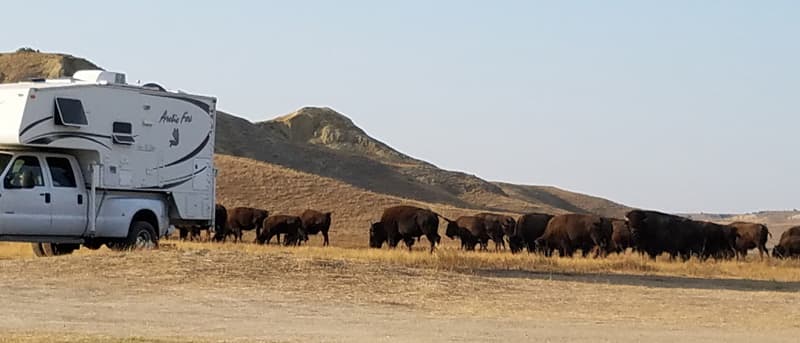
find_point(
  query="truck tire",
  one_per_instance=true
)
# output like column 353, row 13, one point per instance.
column 141, row 236
column 52, row 249
column 37, row 249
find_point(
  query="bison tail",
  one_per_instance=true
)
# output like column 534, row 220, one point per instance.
column 443, row 217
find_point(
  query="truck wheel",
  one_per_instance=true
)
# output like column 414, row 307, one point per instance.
column 141, row 236
column 37, row 249
column 52, row 249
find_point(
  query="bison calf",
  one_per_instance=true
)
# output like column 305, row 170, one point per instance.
column 289, row 226
column 750, row 236
column 470, row 230
column 497, row 227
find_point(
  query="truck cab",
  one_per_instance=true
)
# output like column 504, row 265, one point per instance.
column 43, row 194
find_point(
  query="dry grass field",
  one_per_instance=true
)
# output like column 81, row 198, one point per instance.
column 187, row 292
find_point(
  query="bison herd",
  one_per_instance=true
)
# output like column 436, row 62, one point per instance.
column 649, row 233
column 230, row 224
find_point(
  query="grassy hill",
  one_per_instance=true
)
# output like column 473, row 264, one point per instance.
column 26, row 64
column 324, row 142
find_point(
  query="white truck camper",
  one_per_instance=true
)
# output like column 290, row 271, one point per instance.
column 93, row 161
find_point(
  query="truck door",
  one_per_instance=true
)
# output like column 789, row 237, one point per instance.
column 67, row 199
column 25, row 199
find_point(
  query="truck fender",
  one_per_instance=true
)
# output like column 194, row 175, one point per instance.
column 117, row 213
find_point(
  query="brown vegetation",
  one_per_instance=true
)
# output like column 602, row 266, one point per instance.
column 25, row 64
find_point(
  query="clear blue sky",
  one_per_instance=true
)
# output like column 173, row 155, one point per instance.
column 672, row 105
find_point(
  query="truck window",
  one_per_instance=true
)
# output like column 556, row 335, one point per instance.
column 61, row 172
column 20, row 166
column 4, row 159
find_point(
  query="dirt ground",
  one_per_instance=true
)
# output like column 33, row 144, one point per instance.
column 184, row 295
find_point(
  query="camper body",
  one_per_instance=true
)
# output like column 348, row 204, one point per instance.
column 91, row 160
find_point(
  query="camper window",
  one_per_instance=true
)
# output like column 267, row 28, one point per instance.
column 61, row 172
column 69, row 112
column 123, row 133
column 23, row 168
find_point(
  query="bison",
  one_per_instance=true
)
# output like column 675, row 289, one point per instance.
column 570, row 232
column 190, row 232
column 405, row 223
column 498, row 226
column 244, row 218
column 789, row 245
column 655, row 233
column 620, row 236
column 220, row 222
column 718, row 241
column 471, row 230
column 750, row 236
column 193, row 232
column 528, row 228
column 316, row 222
column 289, row 226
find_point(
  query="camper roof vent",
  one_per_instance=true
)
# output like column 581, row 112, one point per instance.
column 100, row 76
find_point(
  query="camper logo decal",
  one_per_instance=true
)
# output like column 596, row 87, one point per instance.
column 176, row 138
column 175, row 118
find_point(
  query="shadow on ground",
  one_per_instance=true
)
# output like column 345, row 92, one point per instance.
column 656, row 281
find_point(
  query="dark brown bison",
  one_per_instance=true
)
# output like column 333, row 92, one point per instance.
column 405, row 223
column 194, row 232
column 789, row 245
column 470, row 230
column 498, row 226
column 620, row 236
column 655, row 233
column 717, row 240
column 315, row 222
column 751, row 236
column 570, row 232
column 289, row 226
column 220, row 222
column 244, row 218
column 529, row 227
column 190, row 232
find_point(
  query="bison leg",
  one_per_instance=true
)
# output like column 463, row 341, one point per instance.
column 182, row 233
column 409, row 242
column 392, row 241
column 325, row 241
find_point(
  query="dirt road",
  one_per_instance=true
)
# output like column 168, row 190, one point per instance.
column 235, row 296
